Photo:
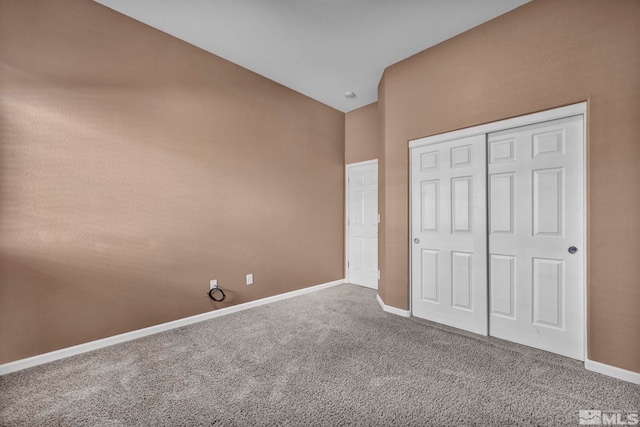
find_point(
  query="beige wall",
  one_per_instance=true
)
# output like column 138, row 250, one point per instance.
column 545, row 54
column 134, row 168
column 361, row 134
column 382, row 168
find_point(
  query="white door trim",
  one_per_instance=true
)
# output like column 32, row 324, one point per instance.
column 515, row 122
column 346, row 210
column 542, row 116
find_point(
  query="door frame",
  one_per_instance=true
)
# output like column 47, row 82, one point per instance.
column 347, row 168
column 500, row 125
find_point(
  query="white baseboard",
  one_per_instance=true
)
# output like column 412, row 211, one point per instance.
column 612, row 371
column 128, row 336
column 392, row 310
column 375, row 288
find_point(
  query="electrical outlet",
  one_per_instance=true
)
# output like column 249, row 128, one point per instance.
column 249, row 279
column 213, row 284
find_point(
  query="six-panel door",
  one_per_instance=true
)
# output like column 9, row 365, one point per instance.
column 449, row 243
column 362, row 225
column 535, row 217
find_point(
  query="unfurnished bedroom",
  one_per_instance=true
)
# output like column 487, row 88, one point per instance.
column 319, row 213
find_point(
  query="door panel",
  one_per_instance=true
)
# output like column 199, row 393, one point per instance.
column 461, row 202
column 536, row 213
column 502, row 284
column 461, row 280
column 547, row 292
column 501, row 203
column 430, row 194
column 429, row 266
column 448, row 223
column 547, row 202
column 362, row 225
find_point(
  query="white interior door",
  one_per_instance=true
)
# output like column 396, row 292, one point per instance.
column 362, row 225
column 535, row 216
column 448, row 233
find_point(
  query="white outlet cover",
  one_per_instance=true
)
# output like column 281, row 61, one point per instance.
column 249, row 279
column 213, row 284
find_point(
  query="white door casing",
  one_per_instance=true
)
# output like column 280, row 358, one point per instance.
column 449, row 236
column 535, row 215
column 362, row 224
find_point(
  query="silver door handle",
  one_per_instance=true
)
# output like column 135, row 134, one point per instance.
column 416, row 240
column 573, row 250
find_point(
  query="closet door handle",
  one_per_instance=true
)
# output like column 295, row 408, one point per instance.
column 573, row 250
column 416, row 240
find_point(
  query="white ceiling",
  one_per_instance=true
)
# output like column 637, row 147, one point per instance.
column 321, row 48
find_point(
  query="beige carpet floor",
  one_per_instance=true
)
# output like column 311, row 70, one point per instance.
column 329, row 358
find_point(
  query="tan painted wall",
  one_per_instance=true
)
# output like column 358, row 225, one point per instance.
column 361, row 134
column 134, row 168
column 382, row 168
column 545, row 54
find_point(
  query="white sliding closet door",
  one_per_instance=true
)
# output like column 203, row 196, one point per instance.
column 536, row 237
column 448, row 233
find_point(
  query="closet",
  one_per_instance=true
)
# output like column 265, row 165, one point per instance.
column 498, row 229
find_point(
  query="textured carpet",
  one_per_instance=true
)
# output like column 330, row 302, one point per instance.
column 328, row 358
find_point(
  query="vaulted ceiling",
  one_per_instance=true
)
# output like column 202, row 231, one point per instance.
column 320, row 48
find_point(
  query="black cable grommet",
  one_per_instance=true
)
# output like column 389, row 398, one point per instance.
column 219, row 290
